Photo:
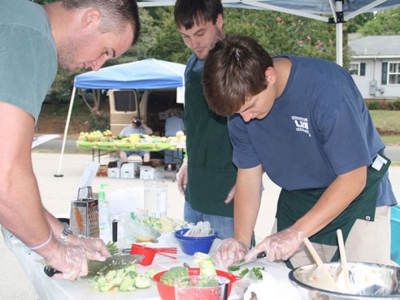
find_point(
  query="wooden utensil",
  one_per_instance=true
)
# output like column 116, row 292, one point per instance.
column 343, row 261
column 320, row 264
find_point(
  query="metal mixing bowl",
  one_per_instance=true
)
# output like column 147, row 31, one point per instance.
column 367, row 281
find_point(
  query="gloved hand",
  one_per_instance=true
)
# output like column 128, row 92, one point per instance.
column 279, row 246
column 95, row 248
column 67, row 258
column 182, row 178
column 228, row 252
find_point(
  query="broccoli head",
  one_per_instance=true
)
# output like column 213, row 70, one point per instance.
column 168, row 278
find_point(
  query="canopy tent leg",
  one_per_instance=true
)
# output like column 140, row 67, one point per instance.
column 71, row 104
column 339, row 44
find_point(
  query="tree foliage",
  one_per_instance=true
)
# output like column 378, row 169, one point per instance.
column 385, row 22
column 283, row 33
column 276, row 32
column 354, row 24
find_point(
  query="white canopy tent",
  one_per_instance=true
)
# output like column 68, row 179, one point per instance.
column 339, row 11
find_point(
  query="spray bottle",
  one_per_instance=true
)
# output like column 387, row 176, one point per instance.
column 104, row 214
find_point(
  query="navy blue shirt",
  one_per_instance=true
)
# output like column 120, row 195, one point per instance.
column 316, row 130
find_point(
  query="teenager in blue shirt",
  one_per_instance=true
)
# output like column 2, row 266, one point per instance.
column 303, row 121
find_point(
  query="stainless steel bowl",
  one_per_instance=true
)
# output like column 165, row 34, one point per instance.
column 367, row 281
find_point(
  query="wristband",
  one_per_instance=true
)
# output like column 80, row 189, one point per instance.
column 45, row 243
column 63, row 235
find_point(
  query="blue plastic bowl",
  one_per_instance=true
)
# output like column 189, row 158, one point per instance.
column 190, row 245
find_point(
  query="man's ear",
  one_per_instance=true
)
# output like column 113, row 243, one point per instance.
column 219, row 21
column 270, row 75
column 90, row 18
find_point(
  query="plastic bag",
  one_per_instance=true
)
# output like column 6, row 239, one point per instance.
column 201, row 229
column 134, row 227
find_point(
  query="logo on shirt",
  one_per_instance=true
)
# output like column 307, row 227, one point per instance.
column 301, row 124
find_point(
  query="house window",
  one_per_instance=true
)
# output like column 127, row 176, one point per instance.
column 393, row 73
column 357, row 69
column 354, row 69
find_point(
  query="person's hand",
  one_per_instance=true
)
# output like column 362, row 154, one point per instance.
column 69, row 259
column 228, row 252
column 231, row 195
column 95, row 248
column 182, row 178
column 279, row 246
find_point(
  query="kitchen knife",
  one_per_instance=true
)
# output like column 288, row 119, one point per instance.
column 253, row 259
column 112, row 263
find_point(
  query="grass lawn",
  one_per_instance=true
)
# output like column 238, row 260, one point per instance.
column 388, row 124
column 391, row 140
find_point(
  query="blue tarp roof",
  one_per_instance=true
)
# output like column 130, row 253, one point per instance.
column 144, row 74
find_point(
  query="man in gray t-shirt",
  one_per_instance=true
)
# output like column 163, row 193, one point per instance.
column 34, row 40
column 136, row 127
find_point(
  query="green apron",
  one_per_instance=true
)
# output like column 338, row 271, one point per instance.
column 210, row 168
column 292, row 205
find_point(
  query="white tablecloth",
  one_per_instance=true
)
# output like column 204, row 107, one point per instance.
column 275, row 283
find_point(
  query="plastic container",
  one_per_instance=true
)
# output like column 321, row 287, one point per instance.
column 190, row 245
column 201, row 288
column 395, row 233
column 167, row 292
column 104, row 214
column 155, row 197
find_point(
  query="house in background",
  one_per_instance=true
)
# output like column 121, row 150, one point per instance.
column 375, row 66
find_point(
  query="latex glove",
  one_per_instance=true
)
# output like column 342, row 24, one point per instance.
column 182, row 178
column 279, row 246
column 70, row 259
column 95, row 248
column 228, row 252
column 231, row 195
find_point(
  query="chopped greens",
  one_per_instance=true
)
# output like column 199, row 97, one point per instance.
column 233, row 269
column 112, row 248
column 125, row 279
column 244, row 272
column 254, row 272
column 153, row 222
column 258, row 273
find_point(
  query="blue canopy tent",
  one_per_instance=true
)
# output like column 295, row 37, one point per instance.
column 142, row 75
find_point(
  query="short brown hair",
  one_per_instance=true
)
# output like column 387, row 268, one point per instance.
column 234, row 71
column 190, row 12
column 115, row 14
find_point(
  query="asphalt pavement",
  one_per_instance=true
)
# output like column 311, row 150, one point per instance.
column 57, row 192
column 57, row 144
